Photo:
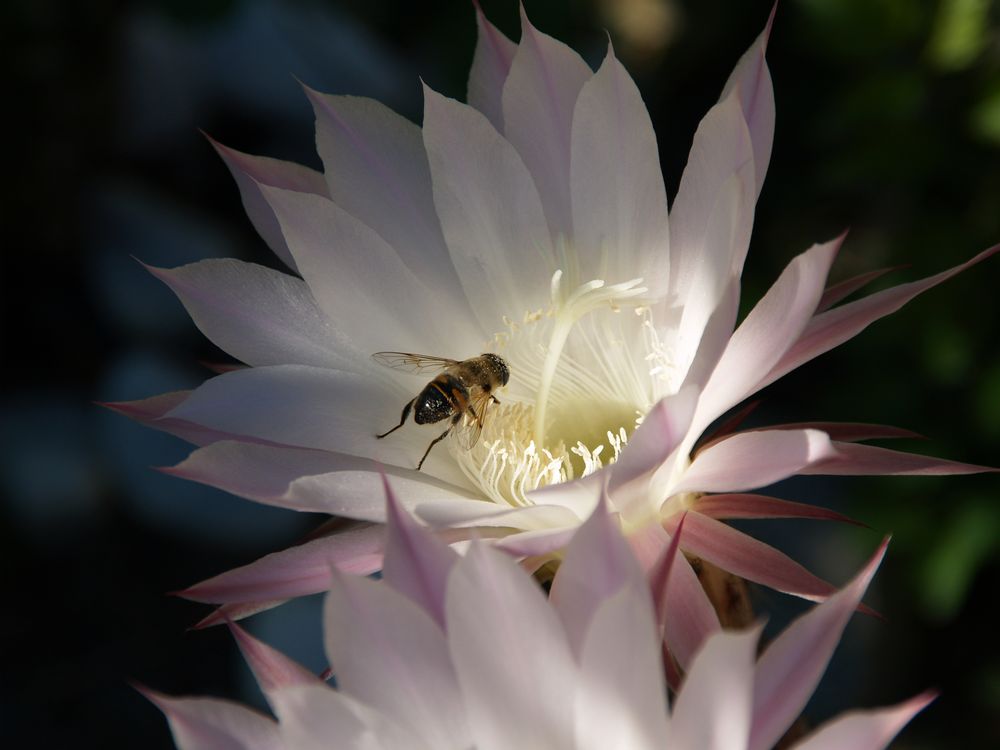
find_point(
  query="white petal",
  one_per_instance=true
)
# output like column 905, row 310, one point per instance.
column 490, row 65
column 511, row 655
column 312, row 407
column 318, row 718
column 538, row 100
column 376, row 169
column 311, row 480
column 713, row 708
column 388, row 653
column 621, row 702
column 768, row 331
column 213, row 724
column 866, row 730
column 258, row 315
column 619, row 202
column 490, row 212
column 362, row 284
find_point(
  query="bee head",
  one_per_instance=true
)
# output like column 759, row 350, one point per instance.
column 500, row 364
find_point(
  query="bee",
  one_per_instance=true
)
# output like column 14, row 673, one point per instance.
column 462, row 392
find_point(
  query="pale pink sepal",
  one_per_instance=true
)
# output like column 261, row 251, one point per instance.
column 728, row 506
column 215, row 724
column 296, row 571
column 150, row 411
column 853, row 459
column 539, row 95
column 749, row 460
column 539, row 542
column 867, row 730
column 851, row 432
column 833, row 327
column 836, row 292
column 235, row 611
column 271, row 668
column 250, row 172
column 416, row 564
column 751, row 83
column 749, row 558
column 791, row 667
column 490, row 65
column 597, row 564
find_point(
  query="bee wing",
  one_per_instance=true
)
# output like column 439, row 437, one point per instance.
column 468, row 430
column 416, row 363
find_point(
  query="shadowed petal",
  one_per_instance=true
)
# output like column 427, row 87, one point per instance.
column 618, row 199
column 539, row 95
column 250, row 172
column 791, row 667
column 866, row 730
column 296, row 571
column 235, row 611
column 833, row 327
column 836, row 292
column 272, row 669
column 490, row 212
column 390, row 654
column 259, row 316
column 490, row 65
column 507, row 643
column 416, row 563
column 713, row 708
column 749, row 460
column 213, row 724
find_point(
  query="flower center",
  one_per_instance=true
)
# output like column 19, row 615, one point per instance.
column 580, row 383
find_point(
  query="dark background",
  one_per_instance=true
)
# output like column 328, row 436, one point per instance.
column 888, row 123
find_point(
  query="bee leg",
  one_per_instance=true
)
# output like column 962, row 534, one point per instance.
column 402, row 419
column 434, row 442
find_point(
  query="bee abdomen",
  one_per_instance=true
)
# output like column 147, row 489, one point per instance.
column 443, row 397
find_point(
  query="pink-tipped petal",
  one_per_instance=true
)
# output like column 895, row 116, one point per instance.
column 659, row 573
column 272, row 669
column 296, row 571
column 416, row 563
column 389, row 653
column 751, row 83
column 490, row 211
column 866, row 460
column 767, row 332
column 837, row 292
column 257, row 315
column 507, row 643
column 490, row 65
column 228, row 613
column 618, row 199
column 214, row 724
column 749, row 558
column 150, row 412
column 530, row 544
column 833, row 327
column 250, row 173
column 867, row 730
column 539, row 95
column 713, row 707
column 760, row 506
column 598, row 563
column 749, row 460
column 310, row 480
column 791, row 667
